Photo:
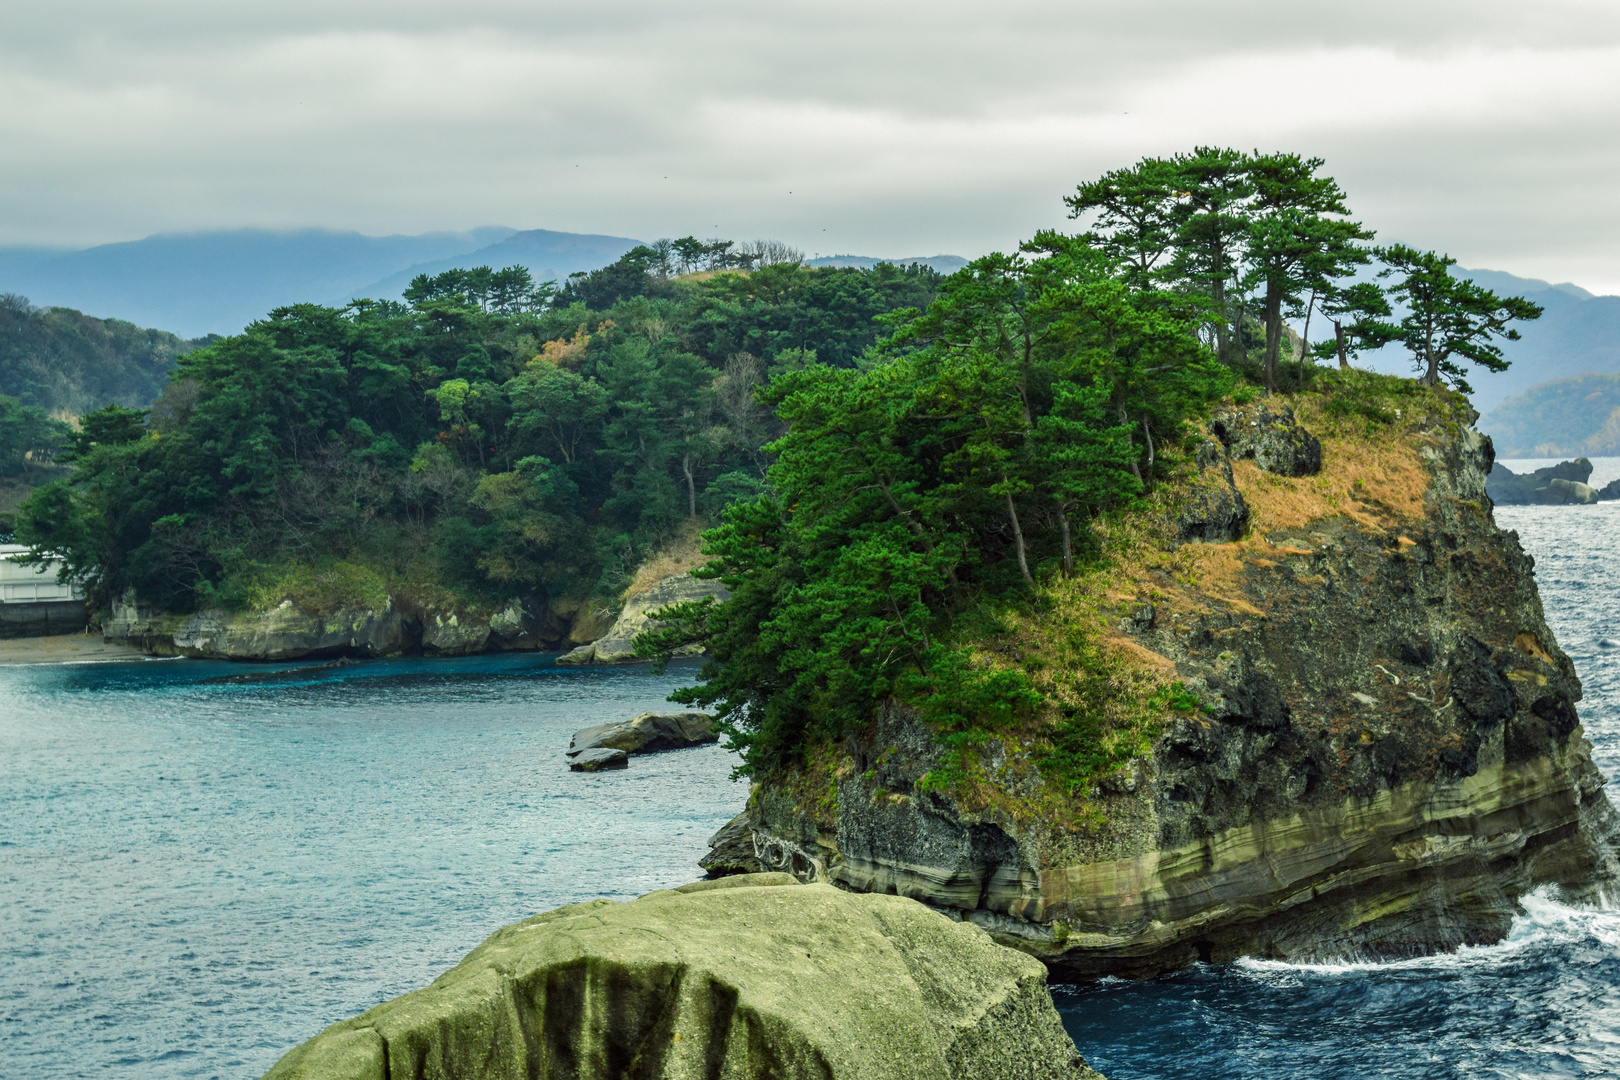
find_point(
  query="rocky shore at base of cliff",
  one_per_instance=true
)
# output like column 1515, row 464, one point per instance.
column 587, row 634
column 1386, row 753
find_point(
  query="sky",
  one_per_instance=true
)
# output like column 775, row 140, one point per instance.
column 1485, row 129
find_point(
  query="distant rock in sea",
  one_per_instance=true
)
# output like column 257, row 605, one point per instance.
column 1562, row 484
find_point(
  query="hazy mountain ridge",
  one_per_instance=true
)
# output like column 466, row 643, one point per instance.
column 217, row 282
column 546, row 254
column 1565, row 417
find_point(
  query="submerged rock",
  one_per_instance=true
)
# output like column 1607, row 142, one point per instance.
column 617, row 646
column 742, row 978
column 1386, row 754
column 599, row 759
column 647, row 734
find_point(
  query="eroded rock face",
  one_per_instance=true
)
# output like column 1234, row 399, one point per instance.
column 741, row 978
column 647, row 734
column 1269, row 435
column 731, row 849
column 1389, row 755
column 287, row 633
column 599, row 759
column 617, row 646
column 282, row 633
column 1212, row 509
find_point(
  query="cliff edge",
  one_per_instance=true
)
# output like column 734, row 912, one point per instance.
column 1370, row 743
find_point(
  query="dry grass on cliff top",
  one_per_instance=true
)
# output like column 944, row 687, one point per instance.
column 683, row 553
column 1073, row 647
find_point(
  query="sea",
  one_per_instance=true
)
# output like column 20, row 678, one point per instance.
column 203, row 864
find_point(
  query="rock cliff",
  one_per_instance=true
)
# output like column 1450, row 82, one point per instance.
column 1383, row 755
column 286, row 632
column 743, row 978
column 617, row 646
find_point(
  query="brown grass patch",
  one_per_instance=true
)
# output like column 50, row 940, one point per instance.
column 683, row 553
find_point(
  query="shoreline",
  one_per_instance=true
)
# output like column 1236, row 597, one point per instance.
column 65, row 649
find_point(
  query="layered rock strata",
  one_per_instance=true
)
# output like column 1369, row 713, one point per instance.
column 747, row 977
column 1387, row 755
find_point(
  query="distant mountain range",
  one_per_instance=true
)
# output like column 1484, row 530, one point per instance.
column 1573, row 417
column 218, row 282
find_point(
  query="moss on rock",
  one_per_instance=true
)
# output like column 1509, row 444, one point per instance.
column 751, row 976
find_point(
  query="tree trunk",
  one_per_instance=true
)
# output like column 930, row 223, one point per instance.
column 691, row 486
column 1274, row 301
column 1305, row 339
column 1344, row 352
column 1018, row 535
column 1147, row 436
column 1223, row 336
column 1068, row 542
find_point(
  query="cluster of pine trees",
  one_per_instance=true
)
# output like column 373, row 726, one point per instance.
column 962, row 464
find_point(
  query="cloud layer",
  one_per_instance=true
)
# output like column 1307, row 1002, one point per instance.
column 1490, row 130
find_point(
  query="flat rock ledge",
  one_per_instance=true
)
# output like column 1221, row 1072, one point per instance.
column 599, row 760
column 648, row 733
column 746, row 977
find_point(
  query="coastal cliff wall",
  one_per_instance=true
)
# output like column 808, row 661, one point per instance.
column 287, row 632
column 1385, row 752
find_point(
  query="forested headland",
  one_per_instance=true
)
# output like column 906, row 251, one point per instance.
column 56, row 363
column 892, row 456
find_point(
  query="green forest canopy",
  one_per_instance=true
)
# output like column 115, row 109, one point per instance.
column 897, row 449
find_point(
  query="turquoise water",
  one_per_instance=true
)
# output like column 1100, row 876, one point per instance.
column 203, row 864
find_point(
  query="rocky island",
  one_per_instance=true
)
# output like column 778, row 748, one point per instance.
column 1379, row 754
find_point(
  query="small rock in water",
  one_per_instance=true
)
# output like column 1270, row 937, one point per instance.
column 1608, row 643
column 647, row 734
column 599, row 759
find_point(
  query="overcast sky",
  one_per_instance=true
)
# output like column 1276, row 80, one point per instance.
column 1487, row 129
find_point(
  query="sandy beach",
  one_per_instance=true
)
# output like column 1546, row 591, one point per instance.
column 64, row 649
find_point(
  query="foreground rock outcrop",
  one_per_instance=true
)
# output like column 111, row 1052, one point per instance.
column 747, row 977
column 1384, row 756
column 618, row 646
column 648, row 733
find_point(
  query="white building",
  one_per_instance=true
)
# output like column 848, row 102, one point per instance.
column 21, row 583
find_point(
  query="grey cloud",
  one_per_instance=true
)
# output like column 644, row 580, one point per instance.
column 898, row 128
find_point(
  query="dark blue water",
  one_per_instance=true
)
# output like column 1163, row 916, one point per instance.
column 1544, row 1003
column 198, row 871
